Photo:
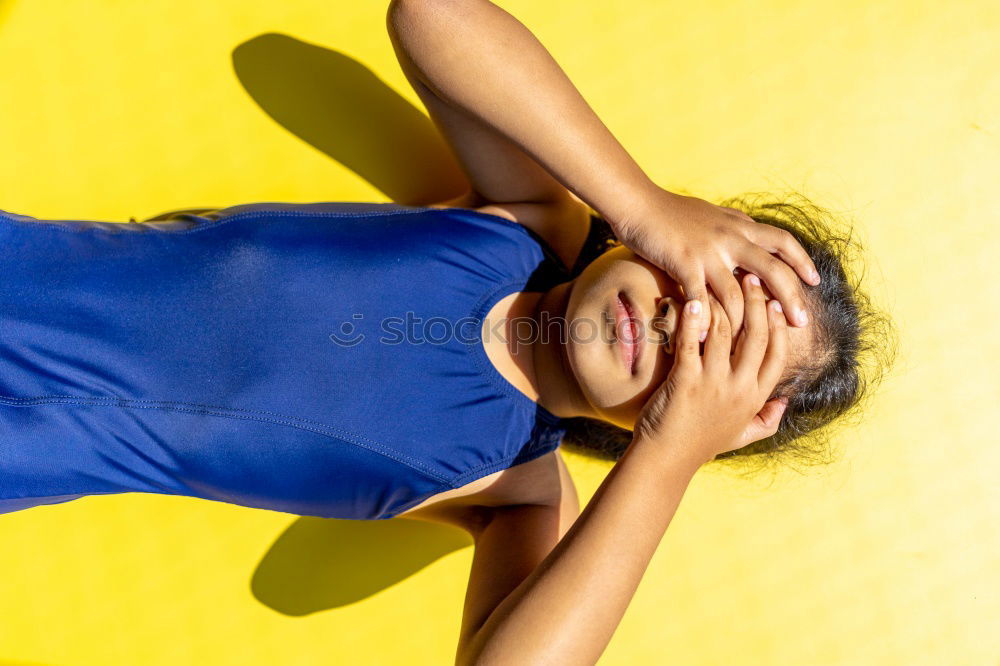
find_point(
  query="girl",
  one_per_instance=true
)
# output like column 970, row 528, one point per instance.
column 368, row 360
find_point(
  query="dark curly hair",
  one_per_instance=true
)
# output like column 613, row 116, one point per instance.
column 859, row 342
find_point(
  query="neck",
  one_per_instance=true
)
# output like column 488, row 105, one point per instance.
column 534, row 357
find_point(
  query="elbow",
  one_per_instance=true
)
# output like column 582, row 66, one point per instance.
column 465, row 658
column 480, row 651
column 472, row 650
column 408, row 10
column 404, row 6
column 506, row 660
column 469, row 652
column 422, row 3
column 403, row 16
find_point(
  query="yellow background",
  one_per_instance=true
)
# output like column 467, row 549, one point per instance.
column 886, row 112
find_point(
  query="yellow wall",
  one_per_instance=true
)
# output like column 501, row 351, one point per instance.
column 886, row 112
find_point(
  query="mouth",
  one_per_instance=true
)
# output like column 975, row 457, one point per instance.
column 627, row 331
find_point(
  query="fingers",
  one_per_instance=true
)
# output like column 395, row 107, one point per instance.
column 775, row 239
column 781, row 280
column 694, row 288
column 776, row 355
column 756, row 331
column 686, row 358
column 719, row 341
column 727, row 290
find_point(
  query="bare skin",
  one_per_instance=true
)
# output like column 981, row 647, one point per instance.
column 580, row 378
column 524, row 135
column 548, row 586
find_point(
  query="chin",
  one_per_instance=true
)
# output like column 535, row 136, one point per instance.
column 606, row 391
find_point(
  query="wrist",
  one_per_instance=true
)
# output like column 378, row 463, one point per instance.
column 648, row 202
column 622, row 204
column 671, row 451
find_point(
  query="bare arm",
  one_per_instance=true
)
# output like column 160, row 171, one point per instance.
column 484, row 62
column 506, row 95
column 566, row 610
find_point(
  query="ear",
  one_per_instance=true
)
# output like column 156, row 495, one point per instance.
column 765, row 422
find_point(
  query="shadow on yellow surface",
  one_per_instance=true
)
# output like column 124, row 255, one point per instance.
column 340, row 107
column 318, row 564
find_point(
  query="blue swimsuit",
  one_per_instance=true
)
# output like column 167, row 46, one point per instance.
column 316, row 359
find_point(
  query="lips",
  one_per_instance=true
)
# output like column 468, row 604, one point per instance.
column 626, row 330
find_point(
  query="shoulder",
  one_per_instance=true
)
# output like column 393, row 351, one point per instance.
column 563, row 224
column 544, row 481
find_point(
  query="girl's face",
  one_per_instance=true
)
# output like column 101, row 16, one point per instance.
column 618, row 369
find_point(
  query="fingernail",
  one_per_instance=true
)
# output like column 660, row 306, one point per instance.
column 777, row 306
column 815, row 277
column 694, row 307
column 755, row 280
column 803, row 317
column 704, row 334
